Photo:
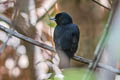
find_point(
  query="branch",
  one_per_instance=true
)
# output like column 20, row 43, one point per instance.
column 99, row 50
column 101, row 5
column 18, row 35
column 100, row 47
column 2, row 47
column 47, row 10
column 5, row 19
column 100, row 65
column 76, row 58
column 11, row 27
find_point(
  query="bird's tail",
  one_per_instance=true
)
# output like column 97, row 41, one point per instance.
column 64, row 60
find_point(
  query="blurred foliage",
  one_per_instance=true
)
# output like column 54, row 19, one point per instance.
column 47, row 20
column 75, row 74
column 50, row 23
column 80, row 15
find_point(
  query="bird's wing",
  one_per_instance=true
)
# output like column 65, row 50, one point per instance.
column 57, row 36
column 70, row 39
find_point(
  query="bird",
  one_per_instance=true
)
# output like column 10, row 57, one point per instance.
column 66, row 38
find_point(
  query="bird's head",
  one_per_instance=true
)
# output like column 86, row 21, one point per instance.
column 62, row 18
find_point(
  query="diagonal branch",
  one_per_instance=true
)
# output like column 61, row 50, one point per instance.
column 18, row 35
column 11, row 27
column 99, row 49
column 42, row 45
column 101, row 5
column 100, row 65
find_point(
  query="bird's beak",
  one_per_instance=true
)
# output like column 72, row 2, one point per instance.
column 52, row 18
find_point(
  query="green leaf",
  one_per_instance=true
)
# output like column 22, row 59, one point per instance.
column 75, row 74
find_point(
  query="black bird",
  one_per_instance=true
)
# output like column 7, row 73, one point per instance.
column 66, row 38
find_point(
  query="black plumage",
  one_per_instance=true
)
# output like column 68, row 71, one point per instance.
column 66, row 36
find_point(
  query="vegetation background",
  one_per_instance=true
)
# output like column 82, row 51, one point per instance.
column 20, row 60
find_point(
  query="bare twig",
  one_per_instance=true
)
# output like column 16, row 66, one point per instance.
column 99, row 50
column 11, row 27
column 101, row 5
column 18, row 35
column 5, row 19
column 98, row 53
column 100, row 65
column 47, row 11
column 5, row 43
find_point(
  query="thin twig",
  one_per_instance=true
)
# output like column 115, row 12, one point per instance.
column 100, row 65
column 47, row 11
column 99, row 50
column 5, row 19
column 101, row 5
column 18, row 35
column 5, row 43
column 11, row 27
